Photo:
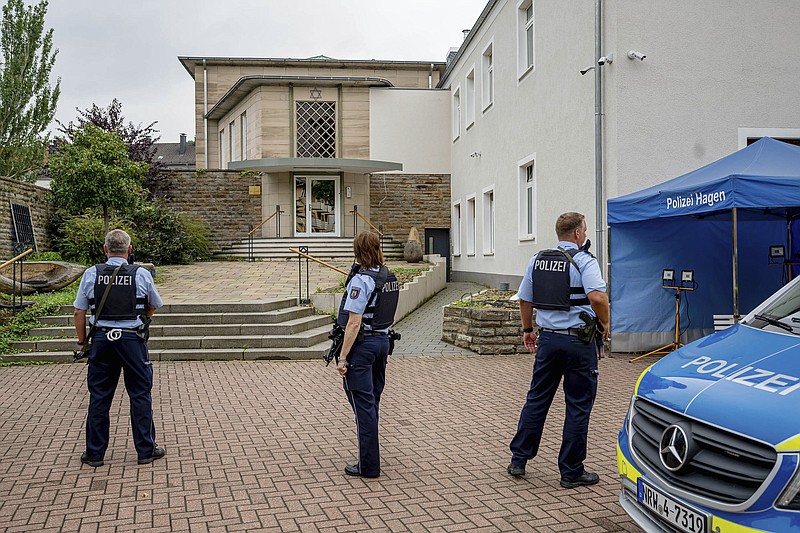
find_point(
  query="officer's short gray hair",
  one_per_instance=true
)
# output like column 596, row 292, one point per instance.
column 567, row 223
column 117, row 242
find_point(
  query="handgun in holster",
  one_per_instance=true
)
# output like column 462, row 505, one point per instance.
column 587, row 333
column 393, row 336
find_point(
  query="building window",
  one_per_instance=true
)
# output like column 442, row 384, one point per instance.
column 527, row 199
column 316, row 129
column 470, row 103
column 471, row 225
column 525, row 36
column 456, row 222
column 221, row 148
column 232, row 131
column 456, row 113
column 488, row 221
column 488, row 76
column 243, row 141
column 748, row 136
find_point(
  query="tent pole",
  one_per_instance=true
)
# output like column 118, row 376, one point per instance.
column 735, row 266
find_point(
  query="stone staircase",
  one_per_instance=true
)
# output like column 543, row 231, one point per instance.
column 269, row 329
column 326, row 248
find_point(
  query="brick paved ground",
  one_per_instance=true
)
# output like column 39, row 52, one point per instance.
column 261, row 445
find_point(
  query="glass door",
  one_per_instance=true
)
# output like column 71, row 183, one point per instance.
column 316, row 206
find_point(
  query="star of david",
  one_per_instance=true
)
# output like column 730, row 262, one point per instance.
column 315, row 94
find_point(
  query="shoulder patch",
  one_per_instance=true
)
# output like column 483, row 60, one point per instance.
column 354, row 293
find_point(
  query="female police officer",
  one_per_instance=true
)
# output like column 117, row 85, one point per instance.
column 366, row 312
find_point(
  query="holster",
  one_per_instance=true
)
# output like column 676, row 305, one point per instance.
column 393, row 336
column 143, row 331
column 587, row 333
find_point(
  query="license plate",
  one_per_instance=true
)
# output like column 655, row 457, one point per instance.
column 673, row 512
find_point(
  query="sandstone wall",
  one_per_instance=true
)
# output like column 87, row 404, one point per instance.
column 38, row 201
column 421, row 200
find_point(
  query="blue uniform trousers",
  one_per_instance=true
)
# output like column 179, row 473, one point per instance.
column 557, row 356
column 106, row 360
column 363, row 384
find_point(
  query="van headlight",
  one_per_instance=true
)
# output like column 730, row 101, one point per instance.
column 790, row 498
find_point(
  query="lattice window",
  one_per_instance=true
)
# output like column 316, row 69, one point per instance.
column 316, row 129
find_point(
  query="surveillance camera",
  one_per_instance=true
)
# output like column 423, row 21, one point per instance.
column 633, row 54
column 606, row 59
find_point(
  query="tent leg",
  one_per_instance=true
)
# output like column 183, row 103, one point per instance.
column 674, row 345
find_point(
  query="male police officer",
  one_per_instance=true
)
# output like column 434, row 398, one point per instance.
column 563, row 285
column 366, row 312
column 119, row 343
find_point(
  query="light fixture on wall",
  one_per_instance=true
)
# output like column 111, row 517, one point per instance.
column 475, row 154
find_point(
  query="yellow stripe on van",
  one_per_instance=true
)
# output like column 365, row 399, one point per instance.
column 636, row 387
column 723, row 526
column 625, row 468
column 789, row 445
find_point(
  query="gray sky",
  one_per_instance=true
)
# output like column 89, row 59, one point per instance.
column 128, row 49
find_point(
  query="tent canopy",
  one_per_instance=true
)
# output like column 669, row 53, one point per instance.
column 766, row 174
column 686, row 223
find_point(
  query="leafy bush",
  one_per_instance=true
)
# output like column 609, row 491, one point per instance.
column 198, row 235
column 44, row 256
column 81, row 238
column 165, row 237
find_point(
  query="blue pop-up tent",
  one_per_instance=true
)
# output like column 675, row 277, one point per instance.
column 719, row 221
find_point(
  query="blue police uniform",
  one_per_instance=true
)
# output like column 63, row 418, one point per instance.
column 559, row 353
column 366, row 374
column 108, row 357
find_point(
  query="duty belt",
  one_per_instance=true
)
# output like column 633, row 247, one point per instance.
column 566, row 331
column 375, row 333
column 115, row 334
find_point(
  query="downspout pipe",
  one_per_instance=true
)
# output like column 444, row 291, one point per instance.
column 598, row 138
column 205, row 115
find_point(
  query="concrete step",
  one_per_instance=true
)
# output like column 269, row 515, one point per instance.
column 329, row 248
column 259, row 306
column 302, row 339
column 169, row 319
column 158, row 330
column 218, row 354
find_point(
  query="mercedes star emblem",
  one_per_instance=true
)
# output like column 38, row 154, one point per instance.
column 674, row 449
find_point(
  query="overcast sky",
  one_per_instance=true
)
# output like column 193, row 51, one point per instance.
column 129, row 49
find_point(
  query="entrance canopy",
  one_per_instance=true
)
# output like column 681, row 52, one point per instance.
column 719, row 221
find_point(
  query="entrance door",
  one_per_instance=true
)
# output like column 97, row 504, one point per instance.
column 437, row 241
column 316, row 206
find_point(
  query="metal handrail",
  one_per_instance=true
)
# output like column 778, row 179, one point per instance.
column 266, row 220
column 323, row 263
column 359, row 215
column 20, row 256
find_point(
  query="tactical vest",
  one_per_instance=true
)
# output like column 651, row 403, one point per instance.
column 121, row 302
column 382, row 303
column 551, row 282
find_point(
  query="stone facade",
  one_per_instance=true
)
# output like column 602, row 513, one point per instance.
column 221, row 198
column 485, row 331
column 38, row 201
column 421, row 200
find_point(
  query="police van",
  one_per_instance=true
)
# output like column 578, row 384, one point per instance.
column 711, row 441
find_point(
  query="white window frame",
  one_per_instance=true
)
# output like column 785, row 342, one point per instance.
column 232, row 132
column 780, row 133
column 526, row 36
column 489, row 207
column 487, row 75
column 456, row 224
column 222, row 148
column 470, row 98
column 471, row 225
column 456, row 113
column 527, row 195
column 243, row 126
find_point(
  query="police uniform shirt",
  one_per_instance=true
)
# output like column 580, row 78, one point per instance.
column 145, row 287
column 358, row 292
column 589, row 277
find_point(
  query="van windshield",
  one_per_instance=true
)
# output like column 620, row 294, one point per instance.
column 783, row 313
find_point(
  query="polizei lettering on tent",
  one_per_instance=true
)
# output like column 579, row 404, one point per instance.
column 697, row 199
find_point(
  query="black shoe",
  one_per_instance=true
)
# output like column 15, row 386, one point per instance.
column 516, row 471
column 158, row 453
column 588, row 478
column 355, row 470
column 85, row 460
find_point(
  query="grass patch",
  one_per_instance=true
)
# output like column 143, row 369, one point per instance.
column 16, row 327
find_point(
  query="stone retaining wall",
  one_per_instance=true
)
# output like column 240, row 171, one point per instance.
column 486, row 331
column 38, row 201
column 400, row 201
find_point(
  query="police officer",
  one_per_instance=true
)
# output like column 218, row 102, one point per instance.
column 561, row 284
column 118, row 344
column 366, row 312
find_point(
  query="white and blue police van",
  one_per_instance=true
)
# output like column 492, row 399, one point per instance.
column 711, row 441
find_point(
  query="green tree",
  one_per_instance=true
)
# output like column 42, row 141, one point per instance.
column 27, row 102
column 95, row 171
